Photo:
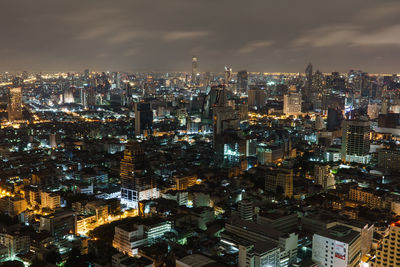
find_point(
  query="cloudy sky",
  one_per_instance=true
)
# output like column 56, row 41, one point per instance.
column 162, row 35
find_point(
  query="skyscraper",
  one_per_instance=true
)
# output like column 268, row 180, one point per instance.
column 194, row 68
column 307, row 95
column 242, row 81
column 355, row 141
column 143, row 118
column 228, row 74
column 256, row 98
column 15, row 104
column 136, row 183
column 387, row 252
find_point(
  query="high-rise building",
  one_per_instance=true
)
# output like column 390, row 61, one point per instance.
column 337, row 246
column 323, row 176
column 68, row 96
column 387, row 254
column 228, row 74
column 256, row 98
column 356, row 141
column 246, row 209
column 292, row 104
column 318, row 86
column 334, row 120
column 194, row 68
column 242, row 81
column 307, row 96
column 15, row 104
column 143, row 118
column 136, row 183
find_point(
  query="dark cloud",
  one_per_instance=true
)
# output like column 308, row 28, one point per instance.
column 160, row 35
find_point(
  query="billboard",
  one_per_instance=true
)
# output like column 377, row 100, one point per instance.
column 341, row 254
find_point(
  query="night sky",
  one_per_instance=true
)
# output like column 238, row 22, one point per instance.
column 162, row 35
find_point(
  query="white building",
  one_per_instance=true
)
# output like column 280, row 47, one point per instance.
column 338, row 246
column 259, row 254
column 292, row 104
column 128, row 238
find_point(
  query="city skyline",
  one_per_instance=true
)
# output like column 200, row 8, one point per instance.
column 263, row 36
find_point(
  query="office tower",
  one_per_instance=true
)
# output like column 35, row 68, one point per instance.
column 256, row 98
column 68, row 96
column 228, row 74
column 83, row 97
column 136, row 182
column 15, row 104
column 307, row 96
column 337, row 246
column 225, row 118
column 194, row 69
column 280, row 180
column 245, row 209
column 323, row 176
column 292, row 104
column 387, row 254
column 318, row 86
column 242, row 81
column 216, row 97
column 334, row 120
column 356, row 141
column 143, row 118
column 133, row 160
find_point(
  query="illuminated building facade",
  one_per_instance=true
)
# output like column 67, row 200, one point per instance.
column 136, row 183
column 15, row 104
column 387, row 254
column 292, row 104
column 143, row 118
column 356, row 141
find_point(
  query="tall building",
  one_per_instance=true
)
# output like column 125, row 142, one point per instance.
column 356, row 141
column 143, row 118
column 256, row 98
column 387, row 254
column 15, row 104
column 334, row 120
column 136, row 183
column 292, row 104
column 307, row 96
column 68, row 96
column 245, row 209
column 194, row 68
column 323, row 176
column 228, row 74
column 337, row 246
column 317, row 86
column 242, row 81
